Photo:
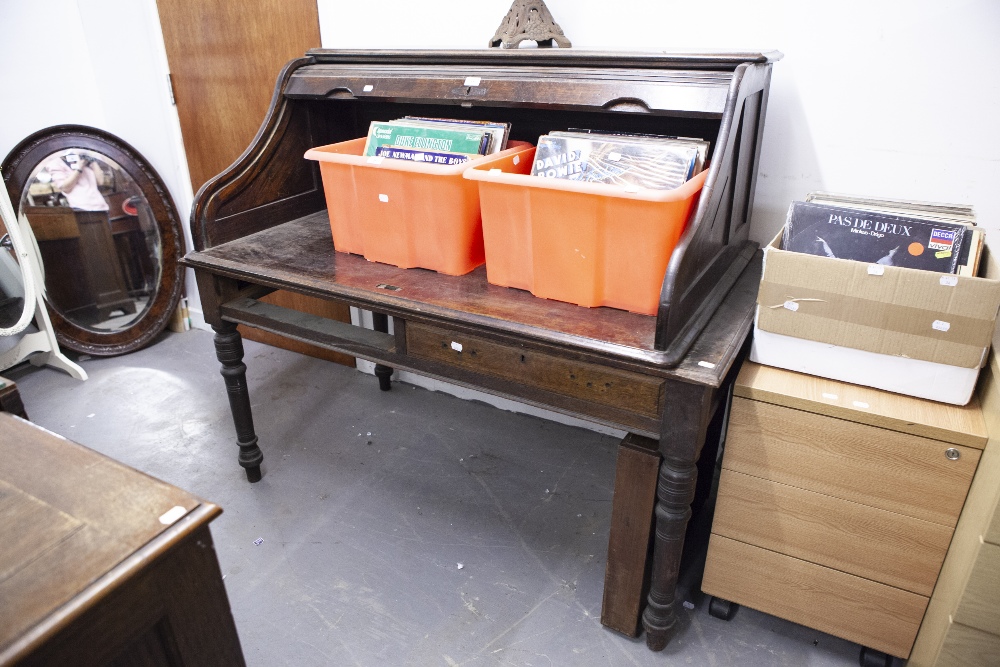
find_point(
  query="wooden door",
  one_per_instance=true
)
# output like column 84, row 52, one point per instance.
column 224, row 59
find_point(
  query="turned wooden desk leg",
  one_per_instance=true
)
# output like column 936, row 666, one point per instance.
column 229, row 350
column 685, row 421
column 380, row 322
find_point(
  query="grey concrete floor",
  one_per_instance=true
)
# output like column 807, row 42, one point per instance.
column 453, row 534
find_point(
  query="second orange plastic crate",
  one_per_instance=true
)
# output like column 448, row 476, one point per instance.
column 591, row 244
column 409, row 214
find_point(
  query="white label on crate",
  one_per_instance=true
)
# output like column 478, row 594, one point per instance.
column 832, row 397
column 384, row 199
column 369, row 88
column 876, row 270
column 517, row 159
column 861, row 404
column 949, row 281
column 614, row 157
column 939, row 325
column 790, row 305
column 496, row 171
column 172, row 514
column 472, row 80
column 456, row 346
column 375, row 159
column 706, row 364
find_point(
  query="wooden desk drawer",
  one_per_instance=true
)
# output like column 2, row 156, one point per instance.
column 883, row 546
column 980, row 604
column 856, row 609
column 886, row 469
column 589, row 382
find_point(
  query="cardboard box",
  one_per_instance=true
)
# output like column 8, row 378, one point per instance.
column 913, row 332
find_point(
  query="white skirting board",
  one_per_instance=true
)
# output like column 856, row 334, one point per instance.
column 913, row 377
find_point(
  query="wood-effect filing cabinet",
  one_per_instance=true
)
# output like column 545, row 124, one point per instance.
column 837, row 504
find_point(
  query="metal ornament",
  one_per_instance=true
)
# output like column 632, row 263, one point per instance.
column 529, row 20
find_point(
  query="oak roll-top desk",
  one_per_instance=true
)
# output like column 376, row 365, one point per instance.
column 262, row 225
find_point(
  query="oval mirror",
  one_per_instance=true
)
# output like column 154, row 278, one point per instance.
column 107, row 233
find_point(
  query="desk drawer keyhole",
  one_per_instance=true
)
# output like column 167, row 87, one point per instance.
column 952, row 454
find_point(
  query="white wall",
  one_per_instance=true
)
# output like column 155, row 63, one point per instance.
column 884, row 98
column 93, row 62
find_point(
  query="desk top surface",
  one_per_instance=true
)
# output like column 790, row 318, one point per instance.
column 300, row 255
column 72, row 524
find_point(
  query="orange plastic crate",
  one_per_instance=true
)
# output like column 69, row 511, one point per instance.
column 591, row 244
column 409, row 214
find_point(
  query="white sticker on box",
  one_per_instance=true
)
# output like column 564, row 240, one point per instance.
column 472, row 80
column 456, row 346
column 876, row 269
column 791, row 305
column 939, row 325
column 861, row 404
column 172, row 514
column 517, row 159
column 832, row 397
column 384, row 199
column 706, row 364
column 369, row 88
column 496, row 171
column 949, row 281
column 614, row 157
column 375, row 159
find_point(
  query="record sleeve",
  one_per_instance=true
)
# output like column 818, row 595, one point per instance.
column 889, row 240
column 646, row 164
column 471, row 140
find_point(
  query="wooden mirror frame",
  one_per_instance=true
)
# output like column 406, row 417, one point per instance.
column 17, row 169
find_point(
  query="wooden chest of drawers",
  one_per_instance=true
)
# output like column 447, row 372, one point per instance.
column 837, row 503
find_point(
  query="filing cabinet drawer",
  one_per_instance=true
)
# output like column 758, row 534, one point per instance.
column 893, row 471
column 840, row 604
column 875, row 544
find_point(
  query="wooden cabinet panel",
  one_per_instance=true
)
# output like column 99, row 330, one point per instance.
column 968, row 647
column 889, row 470
column 889, row 548
column 980, row 606
column 993, row 532
column 589, row 382
column 840, row 604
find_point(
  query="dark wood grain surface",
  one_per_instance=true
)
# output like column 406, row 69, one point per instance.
column 299, row 256
column 64, row 523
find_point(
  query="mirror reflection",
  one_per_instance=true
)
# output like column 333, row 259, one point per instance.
column 98, row 240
